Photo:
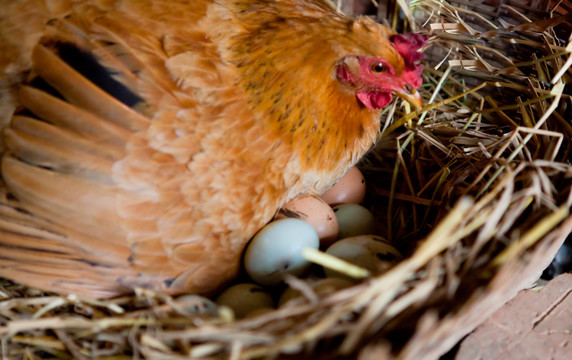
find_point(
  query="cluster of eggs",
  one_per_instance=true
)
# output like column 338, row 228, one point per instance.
column 335, row 222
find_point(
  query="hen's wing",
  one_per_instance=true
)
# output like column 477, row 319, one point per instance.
column 116, row 162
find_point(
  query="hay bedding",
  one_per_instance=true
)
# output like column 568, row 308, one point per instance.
column 475, row 189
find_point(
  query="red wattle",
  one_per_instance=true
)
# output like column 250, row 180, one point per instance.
column 374, row 100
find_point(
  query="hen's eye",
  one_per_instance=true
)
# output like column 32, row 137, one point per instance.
column 377, row 67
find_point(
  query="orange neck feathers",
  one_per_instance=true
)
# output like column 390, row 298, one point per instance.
column 290, row 78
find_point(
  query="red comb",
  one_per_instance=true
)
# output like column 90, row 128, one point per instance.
column 408, row 45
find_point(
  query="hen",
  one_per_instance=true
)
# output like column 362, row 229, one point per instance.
column 146, row 141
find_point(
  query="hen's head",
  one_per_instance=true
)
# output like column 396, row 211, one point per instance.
column 392, row 69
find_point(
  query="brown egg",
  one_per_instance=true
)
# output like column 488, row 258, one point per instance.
column 245, row 298
column 258, row 312
column 315, row 212
column 350, row 189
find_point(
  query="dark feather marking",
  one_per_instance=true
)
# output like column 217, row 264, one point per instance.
column 41, row 84
column 87, row 65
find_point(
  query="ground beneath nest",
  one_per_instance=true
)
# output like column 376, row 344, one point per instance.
column 533, row 325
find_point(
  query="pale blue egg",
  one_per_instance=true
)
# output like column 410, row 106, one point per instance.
column 353, row 220
column 276, row 250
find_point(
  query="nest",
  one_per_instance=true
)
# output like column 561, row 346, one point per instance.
column 475, row 189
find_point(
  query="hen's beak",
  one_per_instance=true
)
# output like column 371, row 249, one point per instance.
column 410, row 95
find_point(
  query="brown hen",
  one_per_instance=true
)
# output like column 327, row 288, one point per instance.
column 146, row 141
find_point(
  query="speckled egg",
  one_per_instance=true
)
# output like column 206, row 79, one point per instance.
column 245, row 298
column 368, row 251
column 353, row 220
column 315, row 212
column 276, row 250
column 350, row 189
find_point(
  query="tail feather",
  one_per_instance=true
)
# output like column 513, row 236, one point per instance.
column 93, row 287
column 65, row 199
column 67, row 116
column 35, row 233
column 37, row 252
column 46, row 146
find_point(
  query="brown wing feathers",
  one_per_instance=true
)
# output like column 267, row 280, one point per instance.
column 58, row 226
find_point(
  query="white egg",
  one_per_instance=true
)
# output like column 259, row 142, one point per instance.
column 276, row 250
column 369, row 252
column 353, row 220
column 245, row 298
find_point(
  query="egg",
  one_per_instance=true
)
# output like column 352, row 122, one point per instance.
column 315, row 212
column 245, row 298
column 259, row 312
column 369, row 252
column 321, row 287
column 353, row 220
column 197, row 304
column 350, row 189
column 276, row 250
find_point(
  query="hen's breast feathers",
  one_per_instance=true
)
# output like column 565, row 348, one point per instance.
column 240, row 111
